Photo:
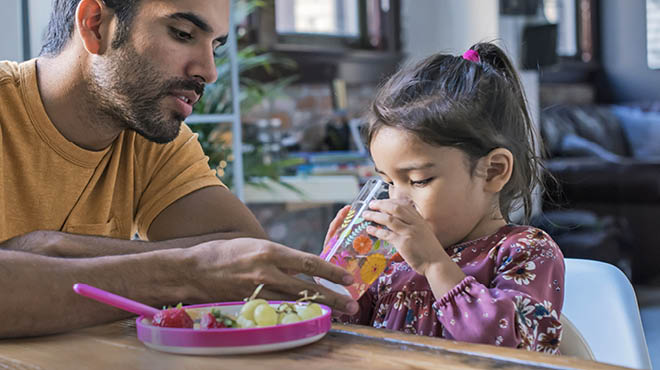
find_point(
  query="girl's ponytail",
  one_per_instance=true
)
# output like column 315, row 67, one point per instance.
column 530, row 169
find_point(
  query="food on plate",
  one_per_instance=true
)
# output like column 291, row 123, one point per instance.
column 255, row 312
column 175, row 317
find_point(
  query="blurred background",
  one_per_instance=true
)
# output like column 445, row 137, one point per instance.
column 281, row 125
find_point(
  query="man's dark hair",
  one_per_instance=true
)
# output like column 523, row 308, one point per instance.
column 62, row 18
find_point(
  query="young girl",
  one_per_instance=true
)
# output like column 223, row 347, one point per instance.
column 453, row 138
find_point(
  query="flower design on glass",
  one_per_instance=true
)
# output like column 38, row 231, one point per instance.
column 341, row 259
column 523, row 274
column 362, row 244
column 352, row 265
column 328, row 247
column 348, row 218
column 372, row 268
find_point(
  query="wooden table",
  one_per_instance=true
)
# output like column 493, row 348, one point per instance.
column 115, row 346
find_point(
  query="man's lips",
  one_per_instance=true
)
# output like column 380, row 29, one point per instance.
column 187, row 96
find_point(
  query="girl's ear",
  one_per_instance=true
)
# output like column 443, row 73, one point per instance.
column 93, row 21
column 499, row 166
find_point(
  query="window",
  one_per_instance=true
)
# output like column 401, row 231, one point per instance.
column 653, row 33
column 330, row 17
column 355, row 40
column 563, row 13
column 576, row 27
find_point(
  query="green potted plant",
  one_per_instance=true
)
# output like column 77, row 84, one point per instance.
column 216, row 139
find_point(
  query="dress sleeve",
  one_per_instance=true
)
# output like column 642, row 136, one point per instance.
column 522, row 304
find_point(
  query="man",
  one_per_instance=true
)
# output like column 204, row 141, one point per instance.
column 93, row 150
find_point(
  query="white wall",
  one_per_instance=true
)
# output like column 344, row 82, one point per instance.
column 39, row 15
column 11, row 42
column 452, row 26
column 11, row 28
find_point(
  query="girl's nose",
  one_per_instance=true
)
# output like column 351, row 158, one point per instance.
column 398, row 193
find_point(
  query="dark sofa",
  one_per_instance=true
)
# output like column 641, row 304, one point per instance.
column 607, row 163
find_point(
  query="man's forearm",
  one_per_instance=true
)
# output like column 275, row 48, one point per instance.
column 60, row 244
column 37, row 295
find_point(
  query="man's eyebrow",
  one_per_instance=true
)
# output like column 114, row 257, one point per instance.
column 199, row 22
column 194, row 19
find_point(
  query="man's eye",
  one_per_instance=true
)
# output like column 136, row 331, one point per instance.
column 181, row 35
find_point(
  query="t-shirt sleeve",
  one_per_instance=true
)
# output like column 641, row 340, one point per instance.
column 168, row 172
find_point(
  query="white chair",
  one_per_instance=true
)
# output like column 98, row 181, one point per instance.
column 600, row 316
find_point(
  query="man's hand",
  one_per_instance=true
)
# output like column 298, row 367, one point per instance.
column 232, row 269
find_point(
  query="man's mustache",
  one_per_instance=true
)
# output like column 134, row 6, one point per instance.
column 181, row 84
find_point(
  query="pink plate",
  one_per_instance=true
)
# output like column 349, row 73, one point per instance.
column 232, row 341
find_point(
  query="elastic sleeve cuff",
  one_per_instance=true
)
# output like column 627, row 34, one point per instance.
column 463, row 286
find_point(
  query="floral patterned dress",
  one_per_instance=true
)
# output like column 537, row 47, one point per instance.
column 512, row 295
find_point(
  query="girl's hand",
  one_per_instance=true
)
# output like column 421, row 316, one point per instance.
column 336, row 223
column 410, row 234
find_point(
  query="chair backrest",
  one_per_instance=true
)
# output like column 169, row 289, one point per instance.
column 601, row 304
column 572, row 342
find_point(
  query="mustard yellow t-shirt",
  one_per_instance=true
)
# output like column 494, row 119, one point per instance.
column 49, row 183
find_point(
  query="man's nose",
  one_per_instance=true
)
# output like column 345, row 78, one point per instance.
column 203, row 67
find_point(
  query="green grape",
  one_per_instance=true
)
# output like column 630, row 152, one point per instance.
column 309, row 311
column 265, row 315
column 289, row 318
column 245, row 323
column 247, row 310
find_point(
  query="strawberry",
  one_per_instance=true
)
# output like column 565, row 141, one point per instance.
column 175, row 317
column 209, row 321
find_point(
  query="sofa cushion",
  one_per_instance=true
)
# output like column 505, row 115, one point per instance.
column 642, row 129
column 573, row 145
column 596, row 124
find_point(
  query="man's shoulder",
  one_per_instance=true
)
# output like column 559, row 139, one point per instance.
column 9, row 71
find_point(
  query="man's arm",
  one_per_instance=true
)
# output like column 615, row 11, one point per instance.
column 38, row 299
column 211, row 213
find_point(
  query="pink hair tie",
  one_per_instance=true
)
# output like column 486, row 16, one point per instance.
column 472, row 56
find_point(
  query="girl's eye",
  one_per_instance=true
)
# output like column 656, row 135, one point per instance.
column 421, row 183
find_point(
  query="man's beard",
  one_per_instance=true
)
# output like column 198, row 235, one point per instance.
column 130, row 90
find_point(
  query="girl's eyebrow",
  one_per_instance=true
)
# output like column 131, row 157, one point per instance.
column 411, row 167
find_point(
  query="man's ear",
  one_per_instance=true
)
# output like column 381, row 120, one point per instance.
column 499, row 166
column 93, row 20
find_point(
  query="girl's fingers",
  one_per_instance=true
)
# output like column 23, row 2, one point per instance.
column 392, row 222
column 401, row 208
column 382, row 234
column 336, row 223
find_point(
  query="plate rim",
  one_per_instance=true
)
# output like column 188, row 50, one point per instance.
column 229, row 337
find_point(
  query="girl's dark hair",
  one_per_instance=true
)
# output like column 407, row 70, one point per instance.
column 62, row 18
column 476, row 107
